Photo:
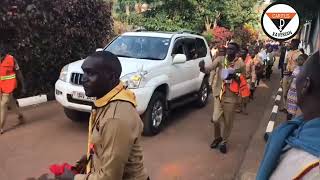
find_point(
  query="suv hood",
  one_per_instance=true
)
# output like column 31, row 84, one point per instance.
column 129, row 65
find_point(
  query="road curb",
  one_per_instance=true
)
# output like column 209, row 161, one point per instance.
column 33, row 100
column 255, row 150
column 273, row 115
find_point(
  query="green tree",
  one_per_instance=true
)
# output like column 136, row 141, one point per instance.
column 209, row 12
column 48, row 34
column 238, row 12
column 197, row 15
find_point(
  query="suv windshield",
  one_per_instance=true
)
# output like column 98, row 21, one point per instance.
column 140, row 47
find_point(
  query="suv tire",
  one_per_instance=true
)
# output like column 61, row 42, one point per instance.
column 155, row 114
column 203, row 93
column 76, row 116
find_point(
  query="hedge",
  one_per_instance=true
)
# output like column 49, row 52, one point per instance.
column 48, row 34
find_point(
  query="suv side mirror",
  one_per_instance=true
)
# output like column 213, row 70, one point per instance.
column 99, row 49
column 179, row 59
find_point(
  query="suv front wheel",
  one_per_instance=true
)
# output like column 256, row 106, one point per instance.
column 155, row 114
column 203, row 93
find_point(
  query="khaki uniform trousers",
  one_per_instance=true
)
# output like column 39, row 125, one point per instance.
column 223, row 117
column 7, row 101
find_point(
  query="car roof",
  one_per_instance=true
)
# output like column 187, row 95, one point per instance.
column 150, row 34
column 160, row 34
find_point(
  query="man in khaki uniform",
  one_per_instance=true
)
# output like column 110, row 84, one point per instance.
column 224, row 104
column 251, row 71
column 243, row 101
column 291, row 58
column 115, row 128
column 7, row 100
column 215, row 71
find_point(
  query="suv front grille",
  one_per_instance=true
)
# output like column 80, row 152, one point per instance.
column 76, row 78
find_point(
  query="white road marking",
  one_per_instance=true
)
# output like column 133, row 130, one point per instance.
column 275, row 109
column 270, row 127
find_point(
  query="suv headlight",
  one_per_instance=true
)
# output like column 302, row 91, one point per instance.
column 133, row 80
column 64, row 73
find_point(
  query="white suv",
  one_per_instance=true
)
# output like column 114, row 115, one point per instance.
column 160, row 68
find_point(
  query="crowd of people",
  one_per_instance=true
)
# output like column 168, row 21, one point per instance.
column 291, row 60
column 293, row 149
column 234, row 75
column 114, row 143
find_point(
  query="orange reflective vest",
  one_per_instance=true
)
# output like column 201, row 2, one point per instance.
column 8, row 82
column 242, row 89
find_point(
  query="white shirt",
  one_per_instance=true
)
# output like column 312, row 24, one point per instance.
column 292, row 163
column 285, row 58
column 262, row 55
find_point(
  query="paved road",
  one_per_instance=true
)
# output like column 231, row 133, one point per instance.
column 180, row 152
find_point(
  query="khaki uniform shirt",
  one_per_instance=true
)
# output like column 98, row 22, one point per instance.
column 239, row 64
column 251, row 70
column 292, row 56
column 229, row 96
column 218, row 65
column 215, row 68
column 116, row 135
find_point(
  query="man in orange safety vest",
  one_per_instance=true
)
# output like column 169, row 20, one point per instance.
column 9, row 73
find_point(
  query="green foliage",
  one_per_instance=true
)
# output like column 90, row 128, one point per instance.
column 238, row 12
column 166, row 18
column 209, row 36
column 245, row 35
column 45, row 35
column 196, row 15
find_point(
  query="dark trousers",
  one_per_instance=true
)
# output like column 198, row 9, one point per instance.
column 258, row 80
column 268, row 71
column 282, row 71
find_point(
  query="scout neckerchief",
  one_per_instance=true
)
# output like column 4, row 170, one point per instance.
column 118, row 93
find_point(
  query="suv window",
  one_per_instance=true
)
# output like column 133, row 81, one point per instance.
column 201, row 48
column 178, row 47
column 191, row 49
column 140, row 47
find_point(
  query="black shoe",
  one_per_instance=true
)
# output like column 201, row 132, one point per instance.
column 216, row 143
column 223, row 148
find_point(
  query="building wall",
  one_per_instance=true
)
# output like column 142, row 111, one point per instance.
column 310, row 36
